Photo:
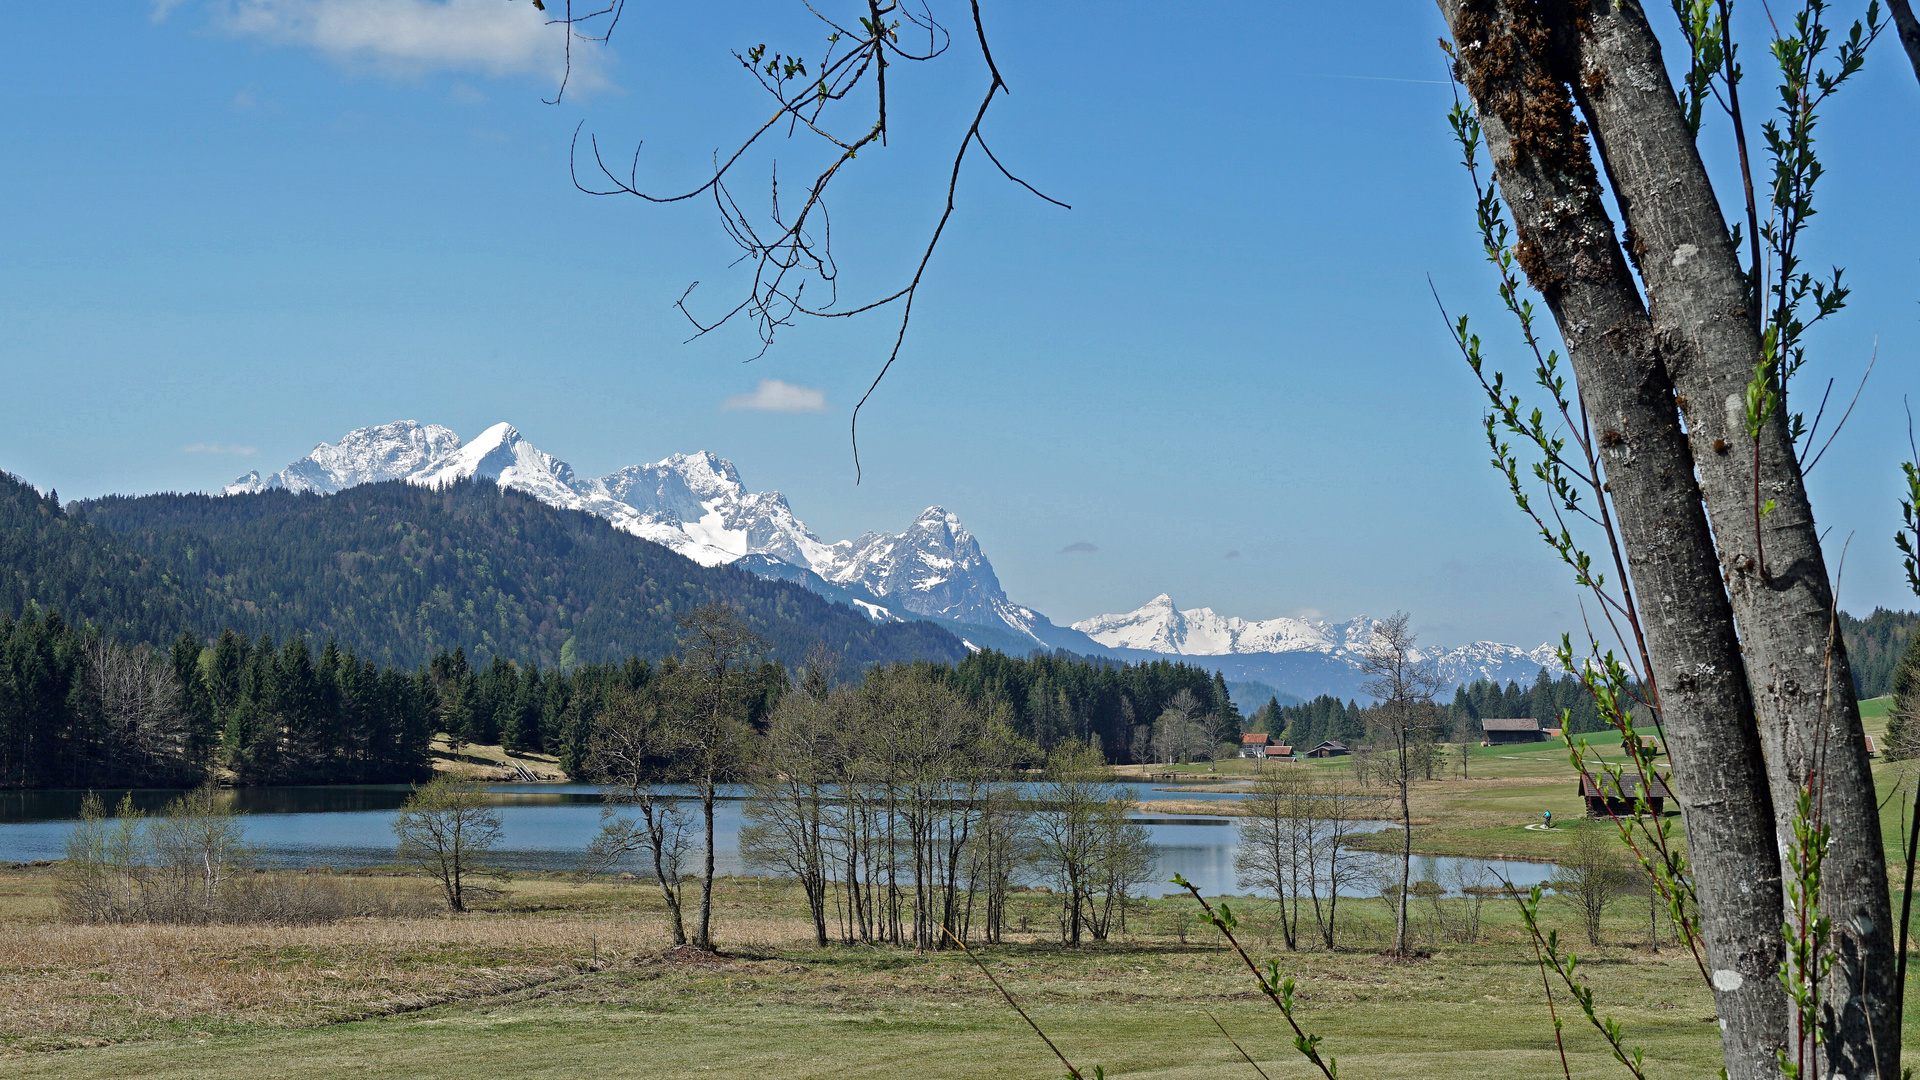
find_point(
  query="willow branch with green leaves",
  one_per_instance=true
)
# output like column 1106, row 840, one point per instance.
column 1666, row 866
column 1804, row 87
column 1278, row 988
column 1547, row 949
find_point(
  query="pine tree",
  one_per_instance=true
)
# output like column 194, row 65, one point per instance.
column 1903, row 719
column 195, row 702
column 1540, row 701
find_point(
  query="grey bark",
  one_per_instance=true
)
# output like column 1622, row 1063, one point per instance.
column 1909, row 28
column 1777, row 580
column 1567, row 248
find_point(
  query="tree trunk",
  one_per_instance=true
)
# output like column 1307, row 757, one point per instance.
column 673, row 903
column 1797, row 667
column 1406, row 861
column 1909, row 28
column 669, row 890
column 703, row 934
column 1566, row 246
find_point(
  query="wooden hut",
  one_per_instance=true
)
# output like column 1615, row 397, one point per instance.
column 1607, row 797
column 1511, row 729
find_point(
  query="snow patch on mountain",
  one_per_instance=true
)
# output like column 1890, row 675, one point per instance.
column 933, row 568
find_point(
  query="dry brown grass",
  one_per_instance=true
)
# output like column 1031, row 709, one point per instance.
column 489, row 762
column 66, row 985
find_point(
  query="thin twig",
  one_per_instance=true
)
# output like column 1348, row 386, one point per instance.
column 1279, row 995
column 1841, row 424
column 1237, row 1046
column 1071, row 1071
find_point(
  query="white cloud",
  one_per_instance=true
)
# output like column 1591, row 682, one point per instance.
column 216, row 448
column 162, row 9
column 772, row 395
column 408, row 37
column 249, row 99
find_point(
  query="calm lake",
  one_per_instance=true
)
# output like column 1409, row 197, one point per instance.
column 548, row 826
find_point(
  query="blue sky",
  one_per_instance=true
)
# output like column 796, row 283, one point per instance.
column 236, row 229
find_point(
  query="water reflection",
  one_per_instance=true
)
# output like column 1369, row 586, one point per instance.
column 547, row 827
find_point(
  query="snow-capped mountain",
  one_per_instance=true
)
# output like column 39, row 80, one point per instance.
column 933, row 568
column 1159, row 626
column 697, row 505
column 367, row 456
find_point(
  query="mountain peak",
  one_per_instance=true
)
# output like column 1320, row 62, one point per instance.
column 367, row 455
column 500, row 434
column 705, row 472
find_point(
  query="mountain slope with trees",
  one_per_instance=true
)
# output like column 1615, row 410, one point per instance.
column 398, row 573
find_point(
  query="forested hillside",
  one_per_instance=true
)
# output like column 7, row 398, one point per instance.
column 398, row 573
column 1051, row 699
column 57, row 560
column 1875, row 645
column 1546, row 700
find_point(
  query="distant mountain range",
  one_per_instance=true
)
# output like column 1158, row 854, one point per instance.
column 1159, row 627
column 697, row 505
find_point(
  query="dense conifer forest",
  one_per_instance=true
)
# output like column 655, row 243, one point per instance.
column 398, row 573
column 1051, row 699
column 1875, row 645
column 1327, row 717
column 80, row 709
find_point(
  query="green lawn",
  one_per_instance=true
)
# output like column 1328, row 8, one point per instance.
column 1135, row 1010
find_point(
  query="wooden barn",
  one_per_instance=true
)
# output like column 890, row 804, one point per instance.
column 1512, row 729
column 1330, row 748
column 1608, row 797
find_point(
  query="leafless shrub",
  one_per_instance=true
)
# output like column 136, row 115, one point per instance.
column 189, row 865
column 1591, row 876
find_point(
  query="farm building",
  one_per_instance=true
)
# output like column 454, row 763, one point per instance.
column 1330, row 748
column 1253, row 744
column 1502, row 730
column 1605, row 797
column 1649, row 746
column 1279, row 751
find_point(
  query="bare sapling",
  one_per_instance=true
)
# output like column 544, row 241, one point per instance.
column 642, row 817
column 446, row 828
column 1403, row 727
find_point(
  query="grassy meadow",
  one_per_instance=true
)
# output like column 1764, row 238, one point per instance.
column 564, row 977
column 561, row 978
